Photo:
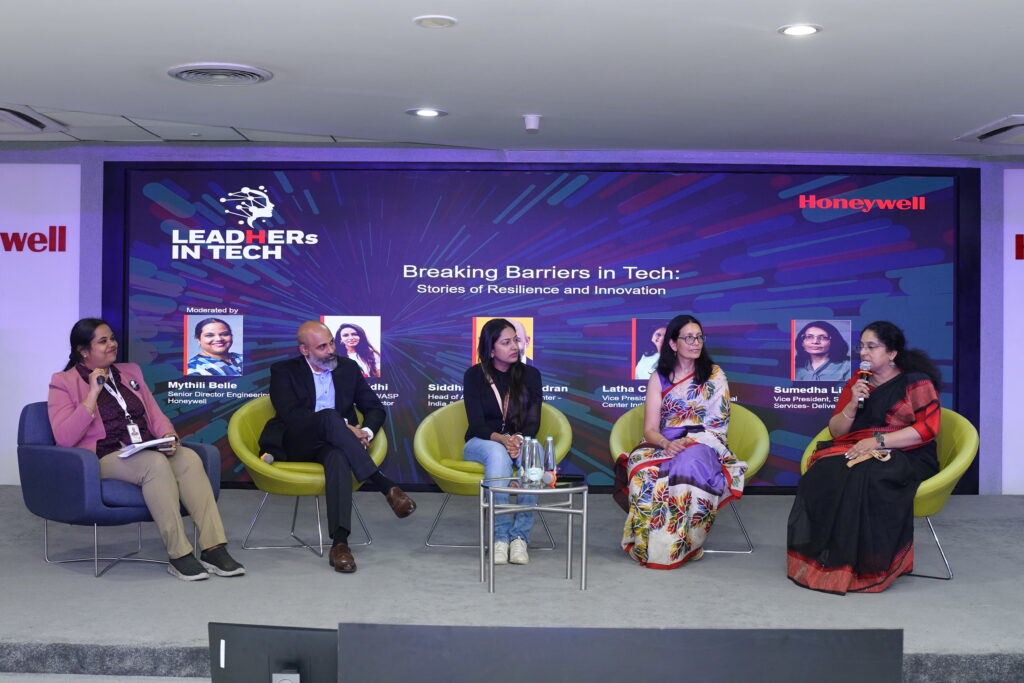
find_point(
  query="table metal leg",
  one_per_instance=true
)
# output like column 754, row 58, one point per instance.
column 490, row 540
column 583, row 546
column 480, row 510
column 568, row 539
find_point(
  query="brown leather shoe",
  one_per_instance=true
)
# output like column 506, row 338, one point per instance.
column 341, row 558
column 400, row 503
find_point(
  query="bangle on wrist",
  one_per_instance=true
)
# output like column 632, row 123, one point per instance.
column 880, row 438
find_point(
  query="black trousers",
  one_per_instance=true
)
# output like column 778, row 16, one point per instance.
column 332, row 444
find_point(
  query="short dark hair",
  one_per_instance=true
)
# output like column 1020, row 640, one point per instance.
column 206, row 321
column 653, row 348
column 837, row 352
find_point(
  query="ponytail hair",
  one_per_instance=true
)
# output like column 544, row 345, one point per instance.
column 907, row 360
column 81, row 337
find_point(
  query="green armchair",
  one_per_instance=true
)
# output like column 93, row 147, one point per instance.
column 285, row 478
column 747, row 438
column 438, row 448
column 957, row 445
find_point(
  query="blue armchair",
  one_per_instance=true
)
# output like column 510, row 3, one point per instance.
column 63, row 485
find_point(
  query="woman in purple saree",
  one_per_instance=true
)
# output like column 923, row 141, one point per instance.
column 673, row 483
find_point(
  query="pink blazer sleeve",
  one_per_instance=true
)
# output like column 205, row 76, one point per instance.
column 71, row 422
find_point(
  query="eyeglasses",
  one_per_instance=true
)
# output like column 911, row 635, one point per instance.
column 868, row 347
column 691, row 339
column 816, row 337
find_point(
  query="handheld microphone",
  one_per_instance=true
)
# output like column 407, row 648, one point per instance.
column 863, row 373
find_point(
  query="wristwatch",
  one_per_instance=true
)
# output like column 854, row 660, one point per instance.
column 880, row 438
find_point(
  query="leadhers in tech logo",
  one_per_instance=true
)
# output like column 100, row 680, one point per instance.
column 250, row 242
column 251, row 204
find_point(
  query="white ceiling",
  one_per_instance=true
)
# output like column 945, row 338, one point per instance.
column 901, row 76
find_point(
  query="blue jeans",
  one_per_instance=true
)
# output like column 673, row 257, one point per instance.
column 496, row 464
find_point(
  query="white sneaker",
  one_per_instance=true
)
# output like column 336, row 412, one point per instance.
column 501, row 552
column 517, row 552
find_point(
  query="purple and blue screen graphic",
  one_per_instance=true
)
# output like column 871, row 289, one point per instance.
column 581, row 252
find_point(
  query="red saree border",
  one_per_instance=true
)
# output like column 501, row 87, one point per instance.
column 664, row 392
column 841, row 580
column 734, row 493
column 653, row 462
column 654, row 565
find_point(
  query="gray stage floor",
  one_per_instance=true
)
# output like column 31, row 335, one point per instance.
column 980, row 612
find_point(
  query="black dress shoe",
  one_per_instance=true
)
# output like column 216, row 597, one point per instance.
column 400, row 503
column 341, row 558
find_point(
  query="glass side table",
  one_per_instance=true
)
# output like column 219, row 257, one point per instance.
column 560, row 499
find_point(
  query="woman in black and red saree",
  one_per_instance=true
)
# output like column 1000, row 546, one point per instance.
column 852, row 523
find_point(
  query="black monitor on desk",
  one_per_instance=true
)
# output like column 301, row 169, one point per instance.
column 249, row 653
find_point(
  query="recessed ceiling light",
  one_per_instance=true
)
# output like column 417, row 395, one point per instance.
column 426, row 112
column 435, row 21
column 206, row 73
column 800, row 29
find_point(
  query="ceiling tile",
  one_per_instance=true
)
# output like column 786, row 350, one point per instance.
column 271, row 136
column 167, row 130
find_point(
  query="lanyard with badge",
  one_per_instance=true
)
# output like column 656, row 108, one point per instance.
column 502, row 401
column 133, row 429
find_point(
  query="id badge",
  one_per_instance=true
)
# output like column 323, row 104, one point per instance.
column 134, row 432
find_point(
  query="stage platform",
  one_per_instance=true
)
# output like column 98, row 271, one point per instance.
column 138, row 621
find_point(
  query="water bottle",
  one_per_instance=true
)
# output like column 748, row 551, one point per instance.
column 535, row 464
column 550, row 474
column 524, row 456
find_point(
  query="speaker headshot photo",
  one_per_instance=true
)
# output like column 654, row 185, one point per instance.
column 214, row 345
column 524, row 335
column 647, row 338
column 821, row 350
column 357, row 337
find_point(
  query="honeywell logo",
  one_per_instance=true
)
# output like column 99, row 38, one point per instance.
column 810, row 201
column 54, row 240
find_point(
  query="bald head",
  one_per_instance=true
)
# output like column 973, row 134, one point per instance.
column 524, row 339
column 317, row 344
column 310, row 327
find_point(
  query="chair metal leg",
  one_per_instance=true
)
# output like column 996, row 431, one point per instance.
column 316, row 550
column 433, row 526
column 746, row 536
column 949, row 570
column 551, row 539
column 362, row 523
column 95, row 559
column 319, row 528
column 437, row 518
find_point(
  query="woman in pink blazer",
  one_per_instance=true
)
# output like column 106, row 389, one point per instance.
column 104, row 406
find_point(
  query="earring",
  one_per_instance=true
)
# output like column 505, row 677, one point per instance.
column 892, row 363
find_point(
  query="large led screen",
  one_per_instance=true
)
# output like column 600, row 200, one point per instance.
column 589, row 263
